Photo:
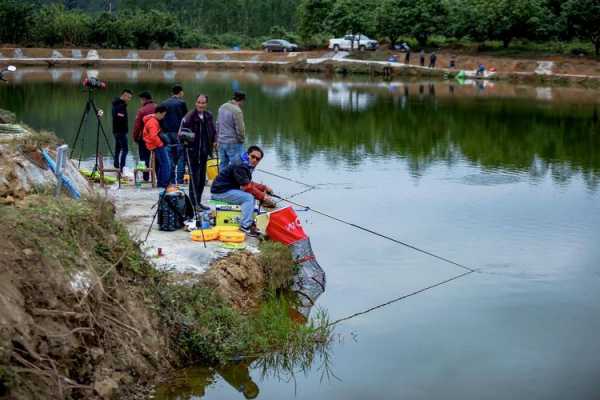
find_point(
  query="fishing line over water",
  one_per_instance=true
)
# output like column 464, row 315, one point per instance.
column 468, row 270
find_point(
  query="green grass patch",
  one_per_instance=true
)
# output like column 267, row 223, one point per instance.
column 206, row 329
column 73, row 235
column 277, row 262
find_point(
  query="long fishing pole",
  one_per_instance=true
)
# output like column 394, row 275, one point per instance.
column 376, row 234
column 295, row 194
column 387, row 303
column 285, row 178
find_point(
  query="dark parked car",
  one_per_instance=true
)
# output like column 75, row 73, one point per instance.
column 279, row 45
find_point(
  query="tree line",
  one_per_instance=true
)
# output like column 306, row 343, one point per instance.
column 217, row 23
column 474, row 20
column 145, row 23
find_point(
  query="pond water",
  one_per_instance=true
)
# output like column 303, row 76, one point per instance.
column 502, row 178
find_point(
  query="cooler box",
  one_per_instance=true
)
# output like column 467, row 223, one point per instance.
column 229, row 215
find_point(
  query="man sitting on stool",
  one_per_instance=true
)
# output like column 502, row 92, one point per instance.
column 234, row 185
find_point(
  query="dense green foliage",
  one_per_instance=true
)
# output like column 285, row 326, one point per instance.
column 474, row 20
column 417, row 18
column 216, row 23
column 145, row 23
column 583, row 17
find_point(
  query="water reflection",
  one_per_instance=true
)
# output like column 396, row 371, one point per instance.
column 194, row 382
column 499, row 178
column 495, row 125
column 245, row 374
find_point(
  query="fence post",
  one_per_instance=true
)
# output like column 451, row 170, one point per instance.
column 61, row 157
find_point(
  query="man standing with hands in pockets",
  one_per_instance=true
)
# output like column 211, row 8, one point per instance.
column 199, row 121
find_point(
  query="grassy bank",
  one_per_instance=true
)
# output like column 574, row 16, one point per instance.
column 84, row 315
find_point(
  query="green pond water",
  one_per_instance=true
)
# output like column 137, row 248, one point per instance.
column 502, row 178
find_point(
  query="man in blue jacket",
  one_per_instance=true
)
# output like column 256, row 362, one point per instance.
column 176, row 110
column 121, row 127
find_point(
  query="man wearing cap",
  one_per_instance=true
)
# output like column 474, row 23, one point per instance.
column 231, row 130
column 234, row 185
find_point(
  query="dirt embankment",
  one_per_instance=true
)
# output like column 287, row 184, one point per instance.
column 83, row 313
column 74, row 319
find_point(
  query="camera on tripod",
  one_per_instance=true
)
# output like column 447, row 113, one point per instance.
column 94, row 83
column 186, row 137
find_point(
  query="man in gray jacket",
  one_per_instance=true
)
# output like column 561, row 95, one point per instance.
column 231, row 130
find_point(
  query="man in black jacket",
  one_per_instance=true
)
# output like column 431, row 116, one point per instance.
column 234, row 185
column 200, row 121
column 176, row 110
column 121, row 127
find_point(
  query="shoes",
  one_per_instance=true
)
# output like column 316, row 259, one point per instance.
column 203, row 207
column 251, row 231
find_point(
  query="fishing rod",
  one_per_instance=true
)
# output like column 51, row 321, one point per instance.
column 376, row 233
column 403, row 297
column 285, row 178
column 295, row 194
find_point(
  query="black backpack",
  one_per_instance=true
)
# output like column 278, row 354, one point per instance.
column 172, row 210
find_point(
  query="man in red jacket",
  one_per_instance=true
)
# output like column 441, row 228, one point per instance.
column 147, row 108
column 151, row 135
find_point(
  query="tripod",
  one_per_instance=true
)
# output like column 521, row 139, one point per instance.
column 90, row 106
column 193, row 185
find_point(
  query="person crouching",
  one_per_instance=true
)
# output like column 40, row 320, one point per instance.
column 154, row 143
column 234, row 185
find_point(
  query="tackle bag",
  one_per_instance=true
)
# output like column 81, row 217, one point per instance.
column 171, row 211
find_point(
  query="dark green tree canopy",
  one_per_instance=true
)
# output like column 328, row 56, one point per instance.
column 208, row 23
column 352, row 16
column 502, row 20
column 583, row 17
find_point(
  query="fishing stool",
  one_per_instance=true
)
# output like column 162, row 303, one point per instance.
column 102, row 171
column 149, row 170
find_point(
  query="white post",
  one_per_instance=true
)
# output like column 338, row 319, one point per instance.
column 61, row 157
